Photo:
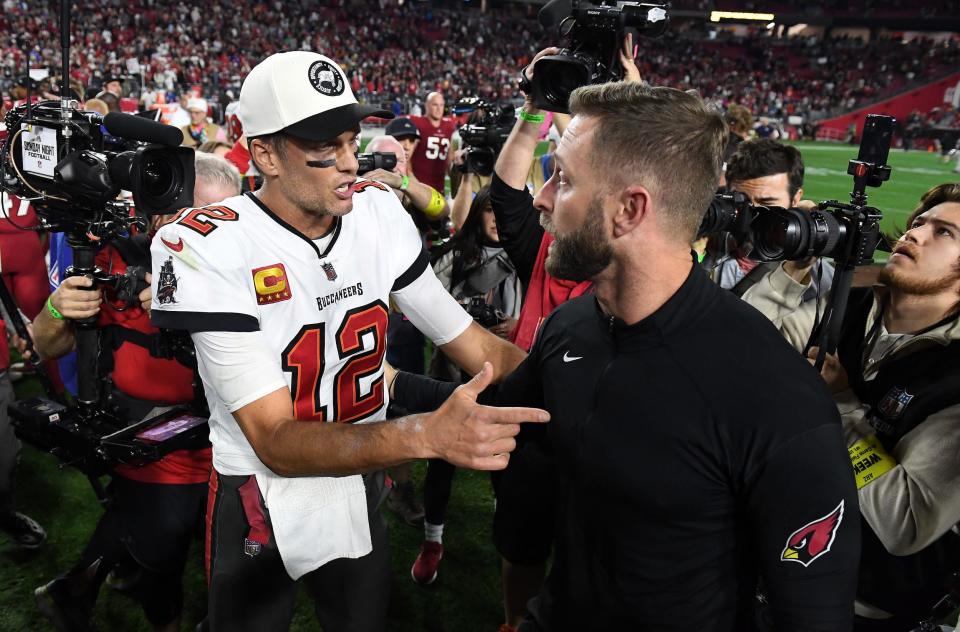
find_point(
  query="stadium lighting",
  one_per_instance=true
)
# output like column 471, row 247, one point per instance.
column 716, row 16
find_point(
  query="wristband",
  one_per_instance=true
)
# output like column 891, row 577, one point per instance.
column 404, row 183
column 532, row 118
column 435, row 207
column 53, row 310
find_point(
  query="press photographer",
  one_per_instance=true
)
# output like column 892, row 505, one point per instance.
column 896, row 382
column 417, row 197
column 487, row 128
column 154, row 510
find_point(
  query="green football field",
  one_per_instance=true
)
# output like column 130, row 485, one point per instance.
column 466, row 597
column 912, row 174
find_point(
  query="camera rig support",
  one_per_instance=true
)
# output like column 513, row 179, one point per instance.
column 863, row 225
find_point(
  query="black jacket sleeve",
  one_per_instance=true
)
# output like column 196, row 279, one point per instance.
column 518, row 225
column 805, row 520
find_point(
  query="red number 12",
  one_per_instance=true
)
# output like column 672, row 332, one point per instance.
column 304, row 357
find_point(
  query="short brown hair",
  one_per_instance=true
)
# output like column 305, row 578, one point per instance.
column 949, row 192
column 665, row 138
column 761, row 157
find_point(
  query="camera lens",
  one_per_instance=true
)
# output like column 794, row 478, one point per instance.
column 790, row 234
column 156, row 177
column 555, row 77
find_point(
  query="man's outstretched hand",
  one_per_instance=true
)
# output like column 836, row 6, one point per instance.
column 469, row 435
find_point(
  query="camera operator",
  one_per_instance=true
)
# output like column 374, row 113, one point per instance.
column 673, row 491
column 527, row 244
column 155, row 510
column 896, row 382
column 464, row 183
column 478, row 273
column 770, row 174
column 416, row 196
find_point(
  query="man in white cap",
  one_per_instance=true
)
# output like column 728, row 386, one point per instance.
column 286, row 292
column 200, row 130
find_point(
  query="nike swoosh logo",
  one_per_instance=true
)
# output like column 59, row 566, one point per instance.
column 569, row 358
column 177, row 247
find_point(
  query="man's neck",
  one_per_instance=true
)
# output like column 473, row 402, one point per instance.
column 311, row 226
column 435, row 121
column 912, row 313
column 633, row 290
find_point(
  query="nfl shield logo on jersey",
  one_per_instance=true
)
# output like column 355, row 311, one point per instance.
column 894, row 402
column 252, row 547
column 330, row 272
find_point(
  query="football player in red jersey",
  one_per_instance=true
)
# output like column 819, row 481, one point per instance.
column 431, row 158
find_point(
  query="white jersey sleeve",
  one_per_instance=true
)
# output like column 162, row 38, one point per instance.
column 200, row 280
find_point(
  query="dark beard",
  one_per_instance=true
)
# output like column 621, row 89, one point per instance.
column 917, row 286
column 583, row 254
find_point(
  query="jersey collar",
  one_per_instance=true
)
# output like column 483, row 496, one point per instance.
column 337, row 225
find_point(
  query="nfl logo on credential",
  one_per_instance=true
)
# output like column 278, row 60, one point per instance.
column 893, row 403
column 252, row 547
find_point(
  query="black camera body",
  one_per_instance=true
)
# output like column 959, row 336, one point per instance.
column 376, row 160
column 850, row 232
column 73, row 164
column 595, row 34
column 486, row 315
column 485, row 138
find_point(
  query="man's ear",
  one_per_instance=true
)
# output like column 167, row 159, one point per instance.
column 634, row 209
column 264, row 158
column 797, row 197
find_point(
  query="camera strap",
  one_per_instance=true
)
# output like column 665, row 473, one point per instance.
column 753, row 277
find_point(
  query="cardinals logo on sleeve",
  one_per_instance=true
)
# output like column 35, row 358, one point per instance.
column 813, row 539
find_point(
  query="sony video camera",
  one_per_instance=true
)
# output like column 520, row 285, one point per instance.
column 73, row 164
column 595, row 34
column 370, row 161
column 780, row 234
column 486, row 137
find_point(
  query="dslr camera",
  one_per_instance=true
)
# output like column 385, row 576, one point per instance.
column 370, row 161
column 849, row 232
column 485, row 137
column 486, row 315
column 595, row 34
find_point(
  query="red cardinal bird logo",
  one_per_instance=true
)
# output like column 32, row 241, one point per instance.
column 813, row 539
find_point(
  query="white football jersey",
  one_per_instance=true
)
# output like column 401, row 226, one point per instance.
column 321, row 305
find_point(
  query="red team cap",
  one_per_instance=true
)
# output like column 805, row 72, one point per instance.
column 304, row 94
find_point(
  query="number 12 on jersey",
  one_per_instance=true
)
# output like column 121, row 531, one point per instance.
column 305, row 358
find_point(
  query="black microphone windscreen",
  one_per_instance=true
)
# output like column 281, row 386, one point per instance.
column 553, row 12
column 136, row 128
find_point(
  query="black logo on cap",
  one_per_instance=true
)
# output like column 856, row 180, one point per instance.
column 326, row 79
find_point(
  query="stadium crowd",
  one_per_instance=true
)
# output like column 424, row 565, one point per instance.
column 396, row 54
column 576, row 288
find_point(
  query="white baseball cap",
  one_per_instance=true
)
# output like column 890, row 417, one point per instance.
column 302, row 93
column 197, row 104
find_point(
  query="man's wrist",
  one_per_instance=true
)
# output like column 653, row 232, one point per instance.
column 53, row 310
column 531, row 117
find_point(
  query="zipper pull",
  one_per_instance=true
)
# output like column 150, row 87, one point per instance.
column 611, row 324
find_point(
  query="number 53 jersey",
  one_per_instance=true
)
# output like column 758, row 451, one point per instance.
column 321, row 305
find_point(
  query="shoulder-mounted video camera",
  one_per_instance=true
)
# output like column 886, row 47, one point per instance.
column 595, row 34
column 486, row 135
column 73, row 164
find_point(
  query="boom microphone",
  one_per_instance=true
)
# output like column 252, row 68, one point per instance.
column 136, row 128
column 553, row 12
